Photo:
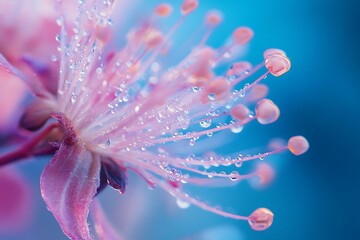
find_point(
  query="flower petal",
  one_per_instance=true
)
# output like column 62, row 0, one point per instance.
column 103, row 226
column 68, row 184
column 5, row 65
column 12, row 94
column 15, row 201
column 116, row 175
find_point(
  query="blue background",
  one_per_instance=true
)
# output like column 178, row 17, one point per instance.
column 314, row 196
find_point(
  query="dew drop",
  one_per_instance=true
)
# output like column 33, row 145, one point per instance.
column 238, row 164
column 211, row 97
column 99, row 70
column 106, row 144
column 59, row 21
column 73, row 97
column 58, row 37
column 53, row 58
column 182, row 204
column 205, row 123
column 234, row 176
column 195, row 89
column 236, row 129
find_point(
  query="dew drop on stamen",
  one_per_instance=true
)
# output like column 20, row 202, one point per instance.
column 106, row 144
column 182, row 204
column 238, row 164
column 53, row 58
column 73, row 97
column 59, row 21
column 99, row 70
column 205, row 123
column 234, row 176
column 58, row 37
column 236, row 129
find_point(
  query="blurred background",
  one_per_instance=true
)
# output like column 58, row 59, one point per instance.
column 314, row 196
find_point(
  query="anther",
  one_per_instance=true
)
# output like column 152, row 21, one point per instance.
column 213, row 18
column 273, row 51
column 266, row 111
column 277, row 64
column 298, row 145
column 242, row 35
column 240, row 112
column 261, row 219
column 163, row 10
column 188, row 6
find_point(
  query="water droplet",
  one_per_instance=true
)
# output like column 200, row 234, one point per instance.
column 182, row 204
column 236, row 129
column 190, row 157
column 227, row 54
column 205, row 123
column 126, row 98
column 59, row 21
column 238, row 164
column 99, row 70
column 106, row 144
column 53, row 58
column 73, row 97
column 211, row 97
column 155, row 67
column 242, row 93
column 137, row 108
column 58, row 37
column 234, row 176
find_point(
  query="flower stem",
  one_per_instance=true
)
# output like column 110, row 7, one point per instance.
column 27, row 149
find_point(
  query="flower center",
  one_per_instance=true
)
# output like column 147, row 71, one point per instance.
column 70, row 136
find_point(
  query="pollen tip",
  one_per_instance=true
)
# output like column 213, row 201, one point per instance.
column 266, row 111
column 298, row 145
column 189, row 6
column 163, row 10
column 240, row 112
column 265, row 173
column 273, row 51
column 261, row 219
column 242, row 35
column 214, row 18
column 278, row 64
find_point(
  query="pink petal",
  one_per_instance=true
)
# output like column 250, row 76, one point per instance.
column 103, row 227
column 116, row 175
column 15, row 201
column 68, row 185
column 12, row 93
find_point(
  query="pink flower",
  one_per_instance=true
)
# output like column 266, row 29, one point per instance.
column 114, row 111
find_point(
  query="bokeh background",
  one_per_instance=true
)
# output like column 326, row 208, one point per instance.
column 314, row 196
